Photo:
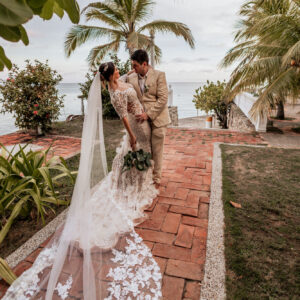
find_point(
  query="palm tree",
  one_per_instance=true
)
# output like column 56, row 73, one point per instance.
column 268, row 52
column 125, row 24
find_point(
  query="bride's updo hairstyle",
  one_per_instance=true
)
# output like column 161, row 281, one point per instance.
column 106, row 70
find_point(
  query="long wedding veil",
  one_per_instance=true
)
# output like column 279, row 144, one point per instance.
column 92, row 169
column 95, row 254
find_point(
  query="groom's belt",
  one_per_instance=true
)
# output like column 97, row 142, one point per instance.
column 149, row 100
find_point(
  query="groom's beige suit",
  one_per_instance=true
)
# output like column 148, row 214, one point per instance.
column 154, row 97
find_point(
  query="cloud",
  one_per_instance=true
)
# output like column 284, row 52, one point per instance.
column 186, row 60
column 211, row 22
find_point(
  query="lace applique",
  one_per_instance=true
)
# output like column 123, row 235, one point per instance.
column 27, row 284
column 136, row 273
column 126, row 101
column 119, row 102
column 63, row 290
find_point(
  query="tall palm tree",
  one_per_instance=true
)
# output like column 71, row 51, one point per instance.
column 125, row 23
column 267, row 52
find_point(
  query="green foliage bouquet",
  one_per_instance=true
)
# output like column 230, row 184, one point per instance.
column 139, row 159
column 31, row 95
column 210, row 97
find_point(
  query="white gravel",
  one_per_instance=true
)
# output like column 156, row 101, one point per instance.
column 34, row 242
column 213, row 286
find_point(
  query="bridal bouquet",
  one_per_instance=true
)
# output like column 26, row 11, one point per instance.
column 139, row 159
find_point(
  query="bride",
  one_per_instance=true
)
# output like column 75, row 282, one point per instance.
column 96, row 254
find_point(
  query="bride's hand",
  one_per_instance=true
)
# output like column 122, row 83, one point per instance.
column 133, row 143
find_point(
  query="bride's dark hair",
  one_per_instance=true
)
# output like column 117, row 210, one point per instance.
column 106, row 70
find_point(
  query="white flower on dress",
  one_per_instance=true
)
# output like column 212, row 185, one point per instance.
column 63, row 290
column 139, row 270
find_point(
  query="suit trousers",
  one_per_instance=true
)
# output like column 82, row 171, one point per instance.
column 157, row 144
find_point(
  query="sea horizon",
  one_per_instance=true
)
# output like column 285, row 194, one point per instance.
column 182, row 98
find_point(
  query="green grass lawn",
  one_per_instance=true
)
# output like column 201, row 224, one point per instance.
column 262, row 238
column 113, row 133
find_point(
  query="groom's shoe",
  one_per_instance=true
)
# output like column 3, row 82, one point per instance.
column 157, row 185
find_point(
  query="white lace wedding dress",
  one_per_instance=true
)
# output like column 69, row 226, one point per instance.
column 98, row 255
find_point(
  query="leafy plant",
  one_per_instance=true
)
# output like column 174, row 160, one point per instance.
column 211, row 97
column 14, row 13
column 6, row 273
column 125, row 24
column 107, row 108
column 139, row 159
column 27, row 188
column 31, row 95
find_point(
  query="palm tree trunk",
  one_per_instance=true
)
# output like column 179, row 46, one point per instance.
column 280, row 110
column 130, row 50
column 152, row 49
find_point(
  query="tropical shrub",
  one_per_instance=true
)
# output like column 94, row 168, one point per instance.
column 108, row 110
column 31, row 95
column 27, row 189
column 211, row 97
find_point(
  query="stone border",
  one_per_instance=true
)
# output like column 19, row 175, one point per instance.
column 213, row 286
column 34, row 242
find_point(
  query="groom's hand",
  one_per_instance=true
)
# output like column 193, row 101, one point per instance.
column 141, row 118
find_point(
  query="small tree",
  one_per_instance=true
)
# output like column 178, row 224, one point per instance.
column 31, row 95
column 108, row 110
column 210, row 97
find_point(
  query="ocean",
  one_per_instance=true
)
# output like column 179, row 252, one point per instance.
column 182, row 98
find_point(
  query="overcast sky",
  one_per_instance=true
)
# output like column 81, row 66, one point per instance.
column 212, row 23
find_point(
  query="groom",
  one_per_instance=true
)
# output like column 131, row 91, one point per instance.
column 152, row 91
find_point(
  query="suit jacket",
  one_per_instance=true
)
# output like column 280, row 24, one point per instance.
column 155, row 97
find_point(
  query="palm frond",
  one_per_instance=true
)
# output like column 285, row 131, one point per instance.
column 128, row 9
column 277, row 86
column 79, row 34
column 95, row 14
column 97, row 54
column 177, row 28
column 267, row 39
column 292, row 53
column 240, row 51
column 108, row 9
column 142, row 10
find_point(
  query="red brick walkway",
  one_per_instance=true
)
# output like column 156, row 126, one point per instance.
column 176, row 230
column 61, row 145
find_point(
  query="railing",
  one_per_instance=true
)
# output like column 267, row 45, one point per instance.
column 245, row 102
